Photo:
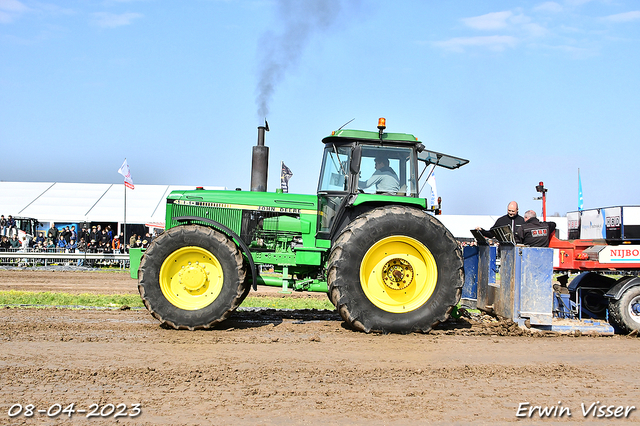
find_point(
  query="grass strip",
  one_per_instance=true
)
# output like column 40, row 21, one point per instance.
column 287, row 303
column 14, row 298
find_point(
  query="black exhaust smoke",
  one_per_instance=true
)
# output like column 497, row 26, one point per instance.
column 260, row 161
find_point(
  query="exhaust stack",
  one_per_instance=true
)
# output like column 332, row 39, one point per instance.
column 260, row 161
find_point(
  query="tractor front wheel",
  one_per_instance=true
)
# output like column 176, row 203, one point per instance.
column 192, row 277
column 395, row 269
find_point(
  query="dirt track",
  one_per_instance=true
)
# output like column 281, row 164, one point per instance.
column 294, row 367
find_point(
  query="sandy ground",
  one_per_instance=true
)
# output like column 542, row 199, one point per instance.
column 295, row 368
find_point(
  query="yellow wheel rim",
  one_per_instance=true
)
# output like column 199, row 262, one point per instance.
column 191, row 278
column 398, row 274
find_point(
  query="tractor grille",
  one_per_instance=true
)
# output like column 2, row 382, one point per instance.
column 231, row 218
column 260, row 230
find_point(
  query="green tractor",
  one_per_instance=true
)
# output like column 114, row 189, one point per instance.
column 387, row 264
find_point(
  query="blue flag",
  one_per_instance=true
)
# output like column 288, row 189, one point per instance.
column 580, row 201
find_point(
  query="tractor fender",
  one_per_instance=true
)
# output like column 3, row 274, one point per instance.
column 351, row 208
column 621, row 287
column 243, row 247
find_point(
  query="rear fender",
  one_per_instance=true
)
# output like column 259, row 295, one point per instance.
column 621, row 287
column 355, row 205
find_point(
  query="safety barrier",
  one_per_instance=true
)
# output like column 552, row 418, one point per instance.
column 30, row 257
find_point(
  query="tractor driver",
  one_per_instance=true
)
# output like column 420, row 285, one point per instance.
column 384, row 178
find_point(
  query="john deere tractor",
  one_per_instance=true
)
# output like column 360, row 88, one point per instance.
column 387, row 264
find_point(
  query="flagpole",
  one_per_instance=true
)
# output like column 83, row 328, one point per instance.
column 124, row 232
column 128, row 182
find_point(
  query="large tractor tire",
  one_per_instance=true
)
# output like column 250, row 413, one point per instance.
column 192, row 277
column 624, row 313
column 395, row 269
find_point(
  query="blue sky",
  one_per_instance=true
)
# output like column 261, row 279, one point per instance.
column 528, row 91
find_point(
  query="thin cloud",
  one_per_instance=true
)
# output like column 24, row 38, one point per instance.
column 53, row 9
column 535, row 30
column 10, row 10
column 490, row 21
column 574, row 52
column 495, row 43
column 549, row 6
column 577, row 2
column 623, row 17
column 113, row 20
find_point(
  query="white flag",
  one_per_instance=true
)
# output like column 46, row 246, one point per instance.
column 433, row 198
column 285, row 175
column 124, row 171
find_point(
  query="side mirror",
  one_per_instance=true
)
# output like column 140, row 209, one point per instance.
column 356, row 156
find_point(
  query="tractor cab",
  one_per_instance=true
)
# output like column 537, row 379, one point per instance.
column 376, row 165
column 27, row 227
column 361, row 167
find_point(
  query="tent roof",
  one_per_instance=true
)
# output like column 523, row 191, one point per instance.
column 85, row 202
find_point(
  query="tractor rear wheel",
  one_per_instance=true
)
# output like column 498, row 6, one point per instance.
column 395, row 269
column 192, row 277
column 624, row 313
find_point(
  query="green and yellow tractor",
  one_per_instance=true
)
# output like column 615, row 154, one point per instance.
column 387, row 264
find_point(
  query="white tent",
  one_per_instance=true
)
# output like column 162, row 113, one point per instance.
column 85, row 202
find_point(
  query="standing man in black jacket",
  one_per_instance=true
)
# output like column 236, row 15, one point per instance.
column 512, row 218
column 535, row 233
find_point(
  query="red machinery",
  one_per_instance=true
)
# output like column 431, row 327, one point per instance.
column 604, row 247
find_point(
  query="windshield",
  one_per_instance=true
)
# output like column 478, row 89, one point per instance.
column 335, row 168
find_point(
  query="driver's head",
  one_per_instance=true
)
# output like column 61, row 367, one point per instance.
column 381, row 162
column 512, row 209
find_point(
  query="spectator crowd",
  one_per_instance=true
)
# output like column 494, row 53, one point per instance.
column 67, row 239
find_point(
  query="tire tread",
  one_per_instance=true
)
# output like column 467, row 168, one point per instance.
column 192, row 235
column 361, row 320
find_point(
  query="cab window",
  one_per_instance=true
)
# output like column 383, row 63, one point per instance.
column 387, row 170
column 335, row 169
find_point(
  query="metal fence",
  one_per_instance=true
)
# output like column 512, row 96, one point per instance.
column 48, row 257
